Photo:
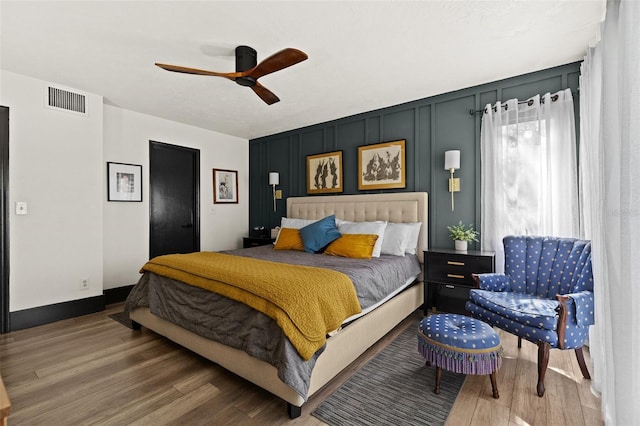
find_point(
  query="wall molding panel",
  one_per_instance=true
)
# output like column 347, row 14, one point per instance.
column 430, row 126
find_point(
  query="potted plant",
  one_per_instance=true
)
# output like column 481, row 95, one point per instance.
column 461, row 234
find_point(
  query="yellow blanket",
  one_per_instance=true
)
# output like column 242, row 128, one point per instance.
column 306, row 302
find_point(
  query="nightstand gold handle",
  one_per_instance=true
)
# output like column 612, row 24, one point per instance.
column 451, row 262
column 455, row 276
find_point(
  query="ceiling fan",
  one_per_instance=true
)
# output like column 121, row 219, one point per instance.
column 248, row 71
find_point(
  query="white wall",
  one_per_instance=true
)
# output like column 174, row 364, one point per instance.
column 57, row 163
column 54, row 166
column 126, row 225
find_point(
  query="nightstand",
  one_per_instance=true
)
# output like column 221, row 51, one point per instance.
column 256, row 241
column 448, row 277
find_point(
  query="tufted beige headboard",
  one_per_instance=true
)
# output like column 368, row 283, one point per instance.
column 393, row 207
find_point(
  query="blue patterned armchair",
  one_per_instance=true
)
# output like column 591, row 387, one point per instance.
column 545, row 296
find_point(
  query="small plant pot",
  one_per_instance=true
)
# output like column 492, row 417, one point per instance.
column 460, row 245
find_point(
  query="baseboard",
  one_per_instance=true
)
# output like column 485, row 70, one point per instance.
column 116, row 295
column 33, row 317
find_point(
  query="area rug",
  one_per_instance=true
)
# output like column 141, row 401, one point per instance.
column 122, row 318
column 395, row 387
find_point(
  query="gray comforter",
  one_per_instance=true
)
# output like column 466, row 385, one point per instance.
column 237, row 325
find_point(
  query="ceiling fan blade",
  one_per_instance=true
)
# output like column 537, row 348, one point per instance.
column 279, row 60
column 265, row 94
column 185, row 70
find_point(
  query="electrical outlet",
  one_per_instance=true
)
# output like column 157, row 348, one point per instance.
column 84, row 283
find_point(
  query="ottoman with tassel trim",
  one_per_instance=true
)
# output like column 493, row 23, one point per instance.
column 460, row 344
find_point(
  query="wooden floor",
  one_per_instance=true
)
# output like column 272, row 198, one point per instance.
column 93, row 370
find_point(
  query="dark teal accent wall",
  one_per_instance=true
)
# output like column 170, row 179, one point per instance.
column 430, row 127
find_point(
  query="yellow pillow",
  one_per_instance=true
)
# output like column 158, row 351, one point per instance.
column 289, row 239
column 356, row 246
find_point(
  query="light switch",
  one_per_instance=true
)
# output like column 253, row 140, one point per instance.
column 21, row 207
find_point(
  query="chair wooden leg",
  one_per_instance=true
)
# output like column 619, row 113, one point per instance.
column 582, row 364
column 519, row 342
column 436, row 390
column 543, row 361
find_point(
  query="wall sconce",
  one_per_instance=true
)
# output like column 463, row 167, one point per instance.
column 452, row 163
column 274, row 179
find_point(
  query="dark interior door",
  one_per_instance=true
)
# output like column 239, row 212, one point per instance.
column 4, row 219
column 174, row 182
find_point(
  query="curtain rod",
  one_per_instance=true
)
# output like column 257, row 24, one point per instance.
column 529, row 102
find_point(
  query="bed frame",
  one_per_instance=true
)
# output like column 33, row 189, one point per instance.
column 348, row 344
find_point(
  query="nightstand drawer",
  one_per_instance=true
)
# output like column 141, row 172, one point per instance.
column 448, row 277
column 451, row 298
column 455, row 268
column 256, row 241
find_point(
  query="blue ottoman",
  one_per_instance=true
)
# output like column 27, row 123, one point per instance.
column 460, row 344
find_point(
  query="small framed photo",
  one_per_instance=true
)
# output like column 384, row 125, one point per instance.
column 225, row 186
column 124, row 182
column 324, row 173
column 382, row 166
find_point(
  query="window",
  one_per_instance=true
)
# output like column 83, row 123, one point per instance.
column 528, row 175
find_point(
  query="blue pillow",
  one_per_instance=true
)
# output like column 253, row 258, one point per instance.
column 318, row 235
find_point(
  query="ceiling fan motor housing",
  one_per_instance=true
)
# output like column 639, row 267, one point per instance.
column 246, row 58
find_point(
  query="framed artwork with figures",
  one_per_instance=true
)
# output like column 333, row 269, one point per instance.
column 382, row 166
column 324, row 173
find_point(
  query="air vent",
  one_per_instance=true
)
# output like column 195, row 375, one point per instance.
column 66, row 100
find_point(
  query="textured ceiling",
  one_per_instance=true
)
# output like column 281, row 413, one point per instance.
column 362, row 55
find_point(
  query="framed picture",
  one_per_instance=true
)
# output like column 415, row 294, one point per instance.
column 124, row 182
column 225, row 186
column 324, row 173
column 381, row 166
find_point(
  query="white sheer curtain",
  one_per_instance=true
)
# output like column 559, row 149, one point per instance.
column 529, row 174
column 610, row 196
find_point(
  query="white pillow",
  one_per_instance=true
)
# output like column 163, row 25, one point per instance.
column 400, row 238
column 288, row 222
column 377, row 228
column 412, row 245
column 396, row 238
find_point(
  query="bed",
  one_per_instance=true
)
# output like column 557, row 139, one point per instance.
column 349, row 342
